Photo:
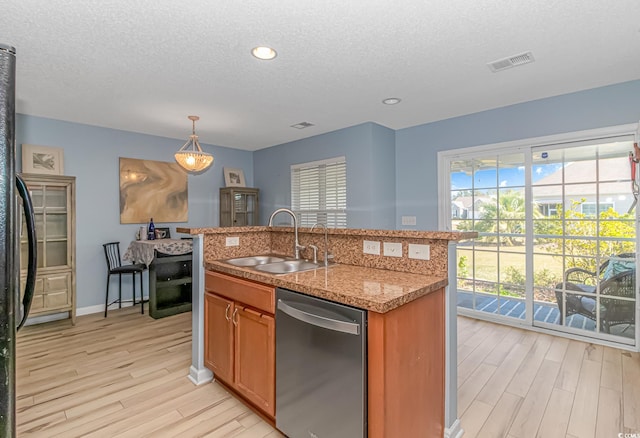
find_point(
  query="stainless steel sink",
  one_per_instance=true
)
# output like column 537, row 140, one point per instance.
column 287, row 267
column 254, row 260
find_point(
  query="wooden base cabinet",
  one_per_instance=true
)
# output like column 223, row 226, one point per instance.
column 240, row 337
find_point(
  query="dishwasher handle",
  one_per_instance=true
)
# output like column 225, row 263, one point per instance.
column 317, row 320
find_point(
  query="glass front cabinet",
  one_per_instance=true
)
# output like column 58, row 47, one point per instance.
column 238, row 206
column 53, row 200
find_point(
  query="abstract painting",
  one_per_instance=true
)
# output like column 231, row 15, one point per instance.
column 152, row 189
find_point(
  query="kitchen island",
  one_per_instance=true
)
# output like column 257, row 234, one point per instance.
column 411, row 332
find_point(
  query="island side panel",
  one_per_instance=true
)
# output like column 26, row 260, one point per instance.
column 406, row 371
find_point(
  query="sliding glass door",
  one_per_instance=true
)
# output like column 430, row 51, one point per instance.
column 488, row 196
column 584, row 240
column 557, row 236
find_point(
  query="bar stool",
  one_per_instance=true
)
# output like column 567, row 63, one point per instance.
column 115, row 266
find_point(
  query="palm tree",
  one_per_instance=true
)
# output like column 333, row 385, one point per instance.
column 504, row 218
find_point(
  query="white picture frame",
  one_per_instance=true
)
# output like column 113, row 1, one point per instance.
column 42, row 159
column 234, row 177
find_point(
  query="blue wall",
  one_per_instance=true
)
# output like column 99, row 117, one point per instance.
column 369, row 151
column 389, row 173
column 417, row 147
column 91, row 154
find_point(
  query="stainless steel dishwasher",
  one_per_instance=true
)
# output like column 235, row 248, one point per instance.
column 321, row 368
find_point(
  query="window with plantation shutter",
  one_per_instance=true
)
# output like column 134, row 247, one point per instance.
column 319, row 192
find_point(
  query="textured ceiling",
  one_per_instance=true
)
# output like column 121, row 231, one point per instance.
column 144, row 65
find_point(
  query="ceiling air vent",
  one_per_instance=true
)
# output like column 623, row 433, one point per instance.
column 302, row 125
column 511, row 61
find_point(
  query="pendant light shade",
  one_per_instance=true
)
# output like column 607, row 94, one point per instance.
column 190, row 156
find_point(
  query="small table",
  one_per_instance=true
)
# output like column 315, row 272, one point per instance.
column 169, row 273
column 143, row 251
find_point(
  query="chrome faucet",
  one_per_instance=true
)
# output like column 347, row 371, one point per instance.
column 327, row 255
column 296, row 245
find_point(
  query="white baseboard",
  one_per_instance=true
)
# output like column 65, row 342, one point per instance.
column 455, row 431
column 199, row 377
column 100, row 307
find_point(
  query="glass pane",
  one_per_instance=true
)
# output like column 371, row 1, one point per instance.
column 547, row 201
column 461, row 172
column 56, row 226
column 511, row 203
column 615, row 169
column 580, row 171
column 511, row 171
column 40, row 255
column 575, row 196
column 465, row 263
column 37, row 197
column 56, row 253
column 581, row 228
column 512, row 269
column 39, row 219
column 546, row 171
column 486, row 266
column 56, row 197
column 547, row 270
column 484, row 175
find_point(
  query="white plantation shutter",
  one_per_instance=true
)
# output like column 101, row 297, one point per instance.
column 319, row 192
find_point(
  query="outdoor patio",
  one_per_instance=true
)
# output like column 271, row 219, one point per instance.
column 543, row 312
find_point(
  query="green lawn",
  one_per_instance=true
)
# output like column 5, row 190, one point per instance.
column 486, row 259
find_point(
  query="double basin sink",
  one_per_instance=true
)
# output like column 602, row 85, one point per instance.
column 273, row 264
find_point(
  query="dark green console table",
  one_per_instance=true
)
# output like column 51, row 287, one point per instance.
column 169, row 285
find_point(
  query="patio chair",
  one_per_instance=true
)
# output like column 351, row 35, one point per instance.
column 617, row 279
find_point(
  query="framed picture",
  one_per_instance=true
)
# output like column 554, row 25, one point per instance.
column 42, row 159
column 234, row 177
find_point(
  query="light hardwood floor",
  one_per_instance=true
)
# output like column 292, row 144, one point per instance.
column 516, row 383
column 125, row 376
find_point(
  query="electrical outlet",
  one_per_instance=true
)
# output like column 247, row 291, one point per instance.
column 232, row 241
column 371, row 247
column 393, row 249
column 408, row 220
column 421, row 252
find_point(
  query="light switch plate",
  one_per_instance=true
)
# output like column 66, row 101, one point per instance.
column 420, row 252
column 371, row 247
column 393, row 249
column 232, row 241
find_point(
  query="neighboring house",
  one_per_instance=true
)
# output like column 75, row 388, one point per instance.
column 468, row 207
column 614, row 190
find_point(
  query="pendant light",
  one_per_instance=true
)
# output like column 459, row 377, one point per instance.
column 190, row 156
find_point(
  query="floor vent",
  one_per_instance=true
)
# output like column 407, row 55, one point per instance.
column 511, row 61
column 302, row 125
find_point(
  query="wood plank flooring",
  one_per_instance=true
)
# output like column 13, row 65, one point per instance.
column 516, row 383
column 125, row 376
column 121, row 376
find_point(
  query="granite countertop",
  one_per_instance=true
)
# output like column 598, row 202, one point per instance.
column 435, row 235
column 378, row 290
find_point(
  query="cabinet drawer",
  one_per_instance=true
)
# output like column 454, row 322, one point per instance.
column 57, row 282
column 56, row 299
column 248, row 292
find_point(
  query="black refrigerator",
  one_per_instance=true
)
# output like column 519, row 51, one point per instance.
column 13, row 312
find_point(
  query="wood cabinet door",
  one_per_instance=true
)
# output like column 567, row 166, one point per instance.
column 255, row 358
column 218, row 336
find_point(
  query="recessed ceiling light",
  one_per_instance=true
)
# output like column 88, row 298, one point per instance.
column 392, row 101
column 263, row 52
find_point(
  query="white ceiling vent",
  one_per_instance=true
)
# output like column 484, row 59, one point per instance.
column 302, row 125
column 511, row 61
